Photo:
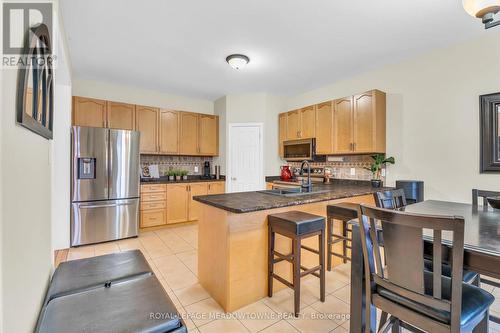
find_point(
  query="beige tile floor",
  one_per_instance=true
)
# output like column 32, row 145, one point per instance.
column 172, row 254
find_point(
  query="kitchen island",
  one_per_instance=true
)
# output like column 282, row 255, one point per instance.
column 232, row 238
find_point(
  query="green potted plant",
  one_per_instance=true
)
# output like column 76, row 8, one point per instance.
column 171, row 174
column 379, row 161
column 177, row 174
column 184, row 174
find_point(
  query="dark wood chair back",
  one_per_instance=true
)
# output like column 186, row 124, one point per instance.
column 403, row 246
column 390, row 199
column 483, row 194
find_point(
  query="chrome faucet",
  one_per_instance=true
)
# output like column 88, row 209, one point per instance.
column 306, row 185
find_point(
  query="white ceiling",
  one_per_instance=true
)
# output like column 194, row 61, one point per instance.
column 179, row 46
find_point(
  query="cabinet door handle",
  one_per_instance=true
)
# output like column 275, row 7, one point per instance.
column 351, row 146
column 354, row 146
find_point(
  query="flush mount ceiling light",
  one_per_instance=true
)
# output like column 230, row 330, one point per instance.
column 483, row 9
column 237, row 61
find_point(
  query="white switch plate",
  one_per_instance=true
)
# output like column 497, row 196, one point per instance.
column 353, row 171
column 195, row 169
column 383, row 172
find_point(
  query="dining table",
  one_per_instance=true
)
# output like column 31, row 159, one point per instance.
column 481, row 252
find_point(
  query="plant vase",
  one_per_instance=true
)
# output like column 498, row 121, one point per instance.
column 376, row 183
column 171, row 178
column 185, row 177
column 177, row 177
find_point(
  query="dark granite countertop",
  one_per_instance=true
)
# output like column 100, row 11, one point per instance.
column 245, row 202
column 191, row 179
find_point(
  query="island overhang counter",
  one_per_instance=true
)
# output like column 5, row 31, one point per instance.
column 232, row 239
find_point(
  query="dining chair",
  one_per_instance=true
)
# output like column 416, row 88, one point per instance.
column 415, row 298
column 483, row 194
column 395, row 199
column 391, row 199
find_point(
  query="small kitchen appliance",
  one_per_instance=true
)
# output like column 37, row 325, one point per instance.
column 206, row 171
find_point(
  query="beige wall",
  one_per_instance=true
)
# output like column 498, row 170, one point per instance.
column 432, row 114
column 26, row 219
column 251, row 108
column 26, row 215
column 134, row 95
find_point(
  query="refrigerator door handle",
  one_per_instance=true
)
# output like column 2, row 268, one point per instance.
column 105, row 206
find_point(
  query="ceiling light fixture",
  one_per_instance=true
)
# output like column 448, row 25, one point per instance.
column 483, row 9
column 237, row 61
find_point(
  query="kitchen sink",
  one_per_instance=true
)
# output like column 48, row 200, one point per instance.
column 292, row 192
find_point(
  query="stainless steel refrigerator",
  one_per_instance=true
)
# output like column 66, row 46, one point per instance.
column 105, row 184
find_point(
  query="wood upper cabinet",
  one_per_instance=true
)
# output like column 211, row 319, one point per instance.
column 282, row 132
column 169, row 132
column 189, row 134
column 293, row 125
column 147, row 125
column 162, row 131
column 121, row 116
column 324, row 128
column 89, row 112
column 307, row 122
column 350, row 125
column 208, row 135
column 369, row 122
column 194, row 206
column 342, row 129
column 177, row 203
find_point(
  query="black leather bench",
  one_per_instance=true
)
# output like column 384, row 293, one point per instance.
column 111, row 293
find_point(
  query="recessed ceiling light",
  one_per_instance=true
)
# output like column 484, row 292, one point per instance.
column 237, row 61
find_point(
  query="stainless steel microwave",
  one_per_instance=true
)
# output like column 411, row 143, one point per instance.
column 299, row 150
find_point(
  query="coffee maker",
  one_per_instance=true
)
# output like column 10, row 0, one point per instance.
column 206, row 171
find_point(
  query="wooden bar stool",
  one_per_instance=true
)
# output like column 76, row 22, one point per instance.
column 297, row 226
column 343, row 212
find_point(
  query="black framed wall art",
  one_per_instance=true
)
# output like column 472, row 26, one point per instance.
column 35, row 93
column 490, row 132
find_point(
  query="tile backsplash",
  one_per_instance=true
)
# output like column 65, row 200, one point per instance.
column 166, row 163
column 342, row 165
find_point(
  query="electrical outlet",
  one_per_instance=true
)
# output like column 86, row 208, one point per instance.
column 383, row 172
column 353, row 171
column 196, row 169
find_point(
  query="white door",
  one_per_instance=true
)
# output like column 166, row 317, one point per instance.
column 245, row 158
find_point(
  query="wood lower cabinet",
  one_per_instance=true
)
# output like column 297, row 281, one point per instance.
column 163, row 204
column 153, row 203
column 169, row 132
column 153, row 218
column 89, row 112
column 194, row 206
column 324, row 128
column 147, row 125
column 342, row 128
column 208, row 135
column 120, row 116
column 177, row 203
column 189, row 134
column 216, row 188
